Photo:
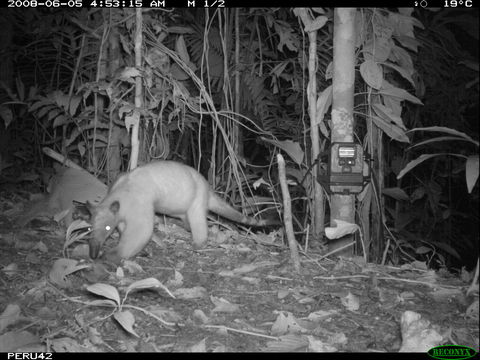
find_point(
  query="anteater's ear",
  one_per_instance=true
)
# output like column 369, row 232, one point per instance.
column 115, row 206
column 82, row 211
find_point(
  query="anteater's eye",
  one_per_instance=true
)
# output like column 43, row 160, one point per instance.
column 107, row 228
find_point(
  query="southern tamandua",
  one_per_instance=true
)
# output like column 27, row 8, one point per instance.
column 164, row 187
column 65, row 187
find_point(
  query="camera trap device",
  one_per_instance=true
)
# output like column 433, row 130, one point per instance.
column 348, row 169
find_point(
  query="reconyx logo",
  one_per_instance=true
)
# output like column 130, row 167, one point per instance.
column 456, row 352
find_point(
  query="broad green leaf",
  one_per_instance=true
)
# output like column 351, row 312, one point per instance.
column 38, row 104
column 148, row 283
column 388, row 115
column 324, row 102
column 126, row 319
column 292, row 148
column 417, row 194
column 109, row 303
column 60, row 99
column 401, row 94
column 408, row 42
column 73, row 235
column 7, row 115
column 401, row 56
column 471, row 171
column 144, row 284
column 402, row 71
column 393, row 104
column 396, row 193
column 378, row 49
column 279, row 69
column 414, row 163
column 447, row 130
column 391, row 130
column 440, row 138
column 74, row 102
column 372, row 73
column 20, row 89
column 48, row 109
column 382, row 49
column 105, row 290
column 59, row 120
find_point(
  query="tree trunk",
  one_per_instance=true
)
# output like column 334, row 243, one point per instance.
column 343, row 206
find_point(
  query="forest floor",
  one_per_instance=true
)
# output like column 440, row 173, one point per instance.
column 240, row 294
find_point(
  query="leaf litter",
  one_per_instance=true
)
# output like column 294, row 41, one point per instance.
column 237, row 295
